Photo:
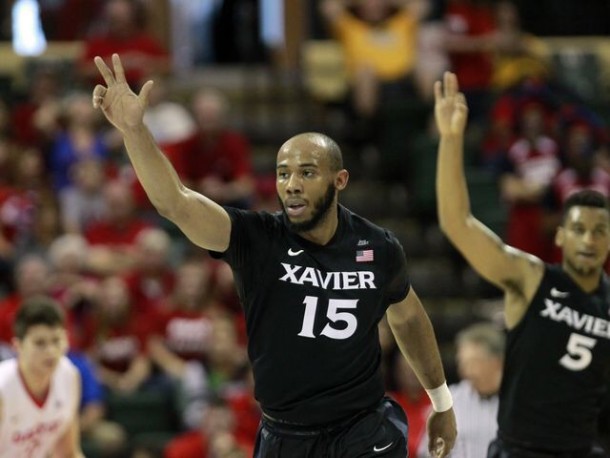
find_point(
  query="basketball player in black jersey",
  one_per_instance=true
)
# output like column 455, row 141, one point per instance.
column 557, row 360
column 314, row 282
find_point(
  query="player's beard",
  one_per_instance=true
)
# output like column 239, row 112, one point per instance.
column 320, row 211
column 583, row 271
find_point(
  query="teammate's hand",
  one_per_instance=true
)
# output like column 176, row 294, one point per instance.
column 121, row 106
column 450, row 108
column 441, row 432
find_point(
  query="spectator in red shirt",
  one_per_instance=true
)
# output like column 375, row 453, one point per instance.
column 152, row 279
column 526, row 172
column 214, row 439
column 117, row 338
column 35, row 119
column 113, row 238
column 141, row 54
column 245, row 407
column 183, row 338
column 216, row 161
column 412, row 397
column 470, row 41
column 31, row 279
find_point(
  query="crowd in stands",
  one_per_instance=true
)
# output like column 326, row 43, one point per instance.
column 148, row 313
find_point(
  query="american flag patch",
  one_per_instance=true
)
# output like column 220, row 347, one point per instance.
column 364, row 255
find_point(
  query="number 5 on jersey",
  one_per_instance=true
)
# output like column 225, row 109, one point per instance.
column 578, row 355
column 334, row 314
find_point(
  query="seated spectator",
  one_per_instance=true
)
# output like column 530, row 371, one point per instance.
column 79, row 139
column 480, row 356
column 379, row 38
column 117, row 339
column 216, row 160
column 32, row 276
column 82, row 203
column 518, row 55
column 71, row 285
column 151, row 279
column 34, row 120
column 122, row 32
column 215, row 437
column 29, row 217
column 183, row 338
column 68, row 20
column 525, row 173
column 470, row 42
column 112, row 239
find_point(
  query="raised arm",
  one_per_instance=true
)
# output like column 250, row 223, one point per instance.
column 414, row 335
column 514, row 271
column 203, row 221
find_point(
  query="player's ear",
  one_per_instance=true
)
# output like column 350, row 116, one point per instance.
column 560, row 236
column 341, row 179
column 16, row 343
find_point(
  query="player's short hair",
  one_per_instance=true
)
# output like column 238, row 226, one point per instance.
column 585, row 198
column 485, row 334
column 39, row 310
column 330, row 147
column 335, row 158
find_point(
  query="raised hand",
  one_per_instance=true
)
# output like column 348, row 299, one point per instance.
column 121, row 106
column 450, row 108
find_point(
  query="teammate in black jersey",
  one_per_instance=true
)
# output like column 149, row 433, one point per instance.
column 314, row 282
column 557, row 360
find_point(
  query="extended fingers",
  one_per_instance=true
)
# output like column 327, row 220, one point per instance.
column 145, row 92
column 119, row 73
column 449, row 87
column 104, row 70
column 450, row 84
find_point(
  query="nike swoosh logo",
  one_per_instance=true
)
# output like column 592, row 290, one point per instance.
column 381, row 449
column 556, row 293
column 294, row 253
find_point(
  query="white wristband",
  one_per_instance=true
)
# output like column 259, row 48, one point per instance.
column 441, row 398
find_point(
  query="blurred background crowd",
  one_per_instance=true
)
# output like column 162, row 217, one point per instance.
column 155, row 326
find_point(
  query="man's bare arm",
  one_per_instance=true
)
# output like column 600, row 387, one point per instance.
column 203, row 221
column 514, row 271
column 415, row 337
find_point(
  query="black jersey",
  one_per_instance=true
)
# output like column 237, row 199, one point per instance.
column 557, row 366
column 312, row 312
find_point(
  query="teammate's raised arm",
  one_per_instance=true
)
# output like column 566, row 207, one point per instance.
column 510, row 269
column 203, row 221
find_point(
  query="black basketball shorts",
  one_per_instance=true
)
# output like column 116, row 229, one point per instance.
column 379, row 432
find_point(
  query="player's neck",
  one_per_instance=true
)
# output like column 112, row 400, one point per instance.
column 37, row 383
